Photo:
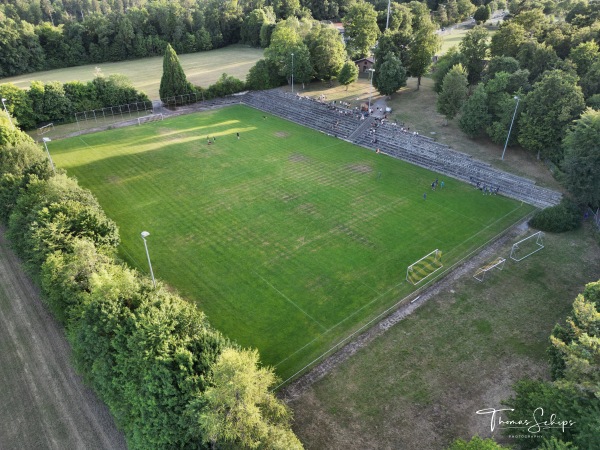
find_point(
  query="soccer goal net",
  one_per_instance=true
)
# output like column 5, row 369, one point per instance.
column 527, row 247
column 150, row 118
column 424, row 267
column 45, row 129
column 498, row 263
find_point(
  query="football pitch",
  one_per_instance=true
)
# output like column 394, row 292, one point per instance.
column 288, row 239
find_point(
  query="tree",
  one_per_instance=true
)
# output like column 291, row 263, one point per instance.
column 173, row 81
column 391, row 75
column 501, row 64
column 582, row 158
column 446, row 62
column 476, row 443
column 348, row 74
column 474, row 47
column 264, row 75
column 475, row 117
column 482, row 14
column 584, row 55
column 424, row 43
column 250, row 30
column 284, row 41
column 590, row 83
column 286, row 8
column 548, row 109
column 582, row 354
column 508, row 39
column 360, row 26
column 240, row 410
column 537, row 58
column 65, row 277
column 327, row 52
column 454, row 92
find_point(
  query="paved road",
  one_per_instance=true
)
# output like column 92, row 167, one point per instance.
column 43, row 402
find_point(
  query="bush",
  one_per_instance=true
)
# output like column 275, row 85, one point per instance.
column 563, row 217
column 226, row 85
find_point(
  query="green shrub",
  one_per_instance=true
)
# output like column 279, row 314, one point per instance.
column 565, row 216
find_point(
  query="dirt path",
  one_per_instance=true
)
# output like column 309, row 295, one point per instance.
column 44, row 403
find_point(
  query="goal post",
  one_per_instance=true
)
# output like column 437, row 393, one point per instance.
column 527, row 247
column 150, row 118
column 498, row 263
column 424, row 267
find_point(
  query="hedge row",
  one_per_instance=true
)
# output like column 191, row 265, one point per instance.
column 169, row 378
column 565, row 216
column 54, row 101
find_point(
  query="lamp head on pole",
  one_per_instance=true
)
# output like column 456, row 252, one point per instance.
column 46, row 139
column 145, row 234
column 3, row 99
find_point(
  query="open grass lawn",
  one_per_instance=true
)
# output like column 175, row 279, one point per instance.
column 419, row 385
column 201, row 69
column 287, row 238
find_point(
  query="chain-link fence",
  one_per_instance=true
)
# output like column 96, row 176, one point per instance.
column 180, row 100
column 111, row 114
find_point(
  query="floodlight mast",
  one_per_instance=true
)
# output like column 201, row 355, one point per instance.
column 144, row 235
column 511, row 125
column 7, row 113
column 46, row 140
column 371, row 88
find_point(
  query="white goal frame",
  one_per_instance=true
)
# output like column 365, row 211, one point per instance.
column 43, row 130
column 150, row 118
column 437, row 257
column 498, row 263
column 539, row 236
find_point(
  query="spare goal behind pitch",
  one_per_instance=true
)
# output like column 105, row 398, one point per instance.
column 498, row 263
column 150, row 118
column 527, row 247
column 424, row 267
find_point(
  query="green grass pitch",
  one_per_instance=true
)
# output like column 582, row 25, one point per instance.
column 287, row 238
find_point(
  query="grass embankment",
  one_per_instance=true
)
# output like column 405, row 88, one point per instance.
column 201, row 69
column 287, row 238
column 419, row 385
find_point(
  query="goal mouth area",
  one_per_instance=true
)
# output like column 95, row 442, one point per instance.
column 424, row 267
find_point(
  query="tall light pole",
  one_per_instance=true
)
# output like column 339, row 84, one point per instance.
column 7, row 113
column 292, row 73
column 145, row 234
column 387, row 22
column 371, row 88
column 46, row 140
column 511, row 125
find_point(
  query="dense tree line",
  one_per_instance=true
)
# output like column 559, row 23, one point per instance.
column 46, row 34
column 168, row 377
